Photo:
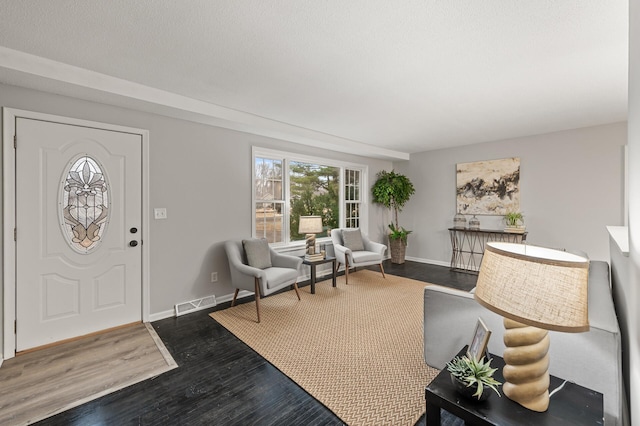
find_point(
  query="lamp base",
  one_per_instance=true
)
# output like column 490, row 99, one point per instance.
column 526, row 370
column 311, row 243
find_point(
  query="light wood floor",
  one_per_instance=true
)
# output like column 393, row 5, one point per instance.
column 39, row 384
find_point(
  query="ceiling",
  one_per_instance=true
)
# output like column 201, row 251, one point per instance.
column 383, row 78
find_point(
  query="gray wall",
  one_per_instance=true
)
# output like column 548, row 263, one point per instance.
column 571, row 188
column 632, row 287
column 202, row 175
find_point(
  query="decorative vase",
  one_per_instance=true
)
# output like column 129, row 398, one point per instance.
column 515, row 229
column 474, row 223
column 468, row 391
column 459, row 221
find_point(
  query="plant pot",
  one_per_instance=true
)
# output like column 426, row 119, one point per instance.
column 468, row 391
column 398, row 249
column 514, row 229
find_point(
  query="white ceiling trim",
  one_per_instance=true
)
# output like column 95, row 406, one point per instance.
column 198, row 111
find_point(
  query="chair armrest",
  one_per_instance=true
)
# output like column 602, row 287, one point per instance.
column 374, row 247
column 342, row 253
column 246, row 269
column 285, row 261
column 249, row 270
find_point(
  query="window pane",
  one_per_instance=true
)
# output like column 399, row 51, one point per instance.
column 353, row 215
column 268, row 179
column 314, row 192
column 356, row 177
column 352, row 185
column 269, row 220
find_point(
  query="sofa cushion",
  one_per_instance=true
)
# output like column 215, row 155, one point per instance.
column 257, row 252
column 352, row 239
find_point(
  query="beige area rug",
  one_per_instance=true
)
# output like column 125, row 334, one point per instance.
column 42, row 383
column 356, row 348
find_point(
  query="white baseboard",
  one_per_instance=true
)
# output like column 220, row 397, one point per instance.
column 221, row 299
column 229, row 297
column 322, row 274
column 429, row 261
column 162, row 315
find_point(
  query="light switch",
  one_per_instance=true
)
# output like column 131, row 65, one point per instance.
column 160, row 213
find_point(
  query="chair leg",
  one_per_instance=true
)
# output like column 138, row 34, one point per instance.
column 382, row 270
column 257, row 293
column 233, row 302
column 346, row 271
column 295, row 287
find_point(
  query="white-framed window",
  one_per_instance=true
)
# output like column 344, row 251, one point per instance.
column 352, row 194
column 287, row 186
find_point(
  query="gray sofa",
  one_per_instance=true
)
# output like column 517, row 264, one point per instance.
column 592, row 359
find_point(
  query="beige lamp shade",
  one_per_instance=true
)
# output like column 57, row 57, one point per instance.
column 536, row 286
column 310, row 225
column 535, row 289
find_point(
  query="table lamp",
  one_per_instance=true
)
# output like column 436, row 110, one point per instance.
column 310, row 225
column 535, row 289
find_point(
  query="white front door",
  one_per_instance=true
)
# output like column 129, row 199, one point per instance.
column 78, row 219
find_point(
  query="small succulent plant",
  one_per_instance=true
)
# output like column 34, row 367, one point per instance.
column 474, row 372
column 514, row 219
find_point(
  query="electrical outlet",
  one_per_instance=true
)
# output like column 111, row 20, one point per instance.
column 214, row 277
column 160, row 213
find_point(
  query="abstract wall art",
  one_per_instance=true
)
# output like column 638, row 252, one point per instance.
column 489, row 187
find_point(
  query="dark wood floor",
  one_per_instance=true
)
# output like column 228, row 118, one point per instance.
column 220, row 380
column 430, row 274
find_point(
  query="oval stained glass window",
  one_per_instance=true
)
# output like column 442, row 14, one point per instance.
column 85, row 202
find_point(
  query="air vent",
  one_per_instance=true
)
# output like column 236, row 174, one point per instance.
column 195, row 305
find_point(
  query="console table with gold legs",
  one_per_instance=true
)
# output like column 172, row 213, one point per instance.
column 467, row 245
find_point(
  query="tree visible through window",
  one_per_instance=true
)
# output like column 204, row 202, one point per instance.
column 314, row 192
column 285, row 189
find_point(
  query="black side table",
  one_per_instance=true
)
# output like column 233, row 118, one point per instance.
column 571, row 405
column 313, row 263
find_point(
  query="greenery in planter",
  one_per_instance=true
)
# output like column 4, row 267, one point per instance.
column 398, row 234
column 393, row 190
column 474, row 373
column 514, row 219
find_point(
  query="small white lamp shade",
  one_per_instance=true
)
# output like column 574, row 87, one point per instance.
column 310, row 225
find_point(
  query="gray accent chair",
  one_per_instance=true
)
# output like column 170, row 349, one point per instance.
column 262, row 282
column 373, row 253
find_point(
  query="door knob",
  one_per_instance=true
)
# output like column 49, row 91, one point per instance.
column 133, row 243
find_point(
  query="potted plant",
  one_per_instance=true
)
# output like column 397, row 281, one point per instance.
column 393, row 190
column 514, row 222
column 473, row 378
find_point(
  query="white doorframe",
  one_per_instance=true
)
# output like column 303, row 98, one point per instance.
column 8, row 208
